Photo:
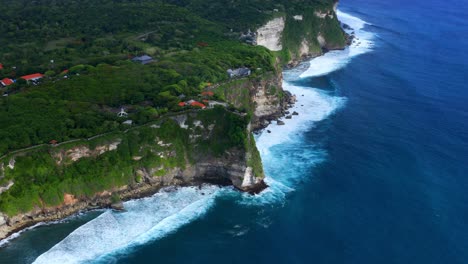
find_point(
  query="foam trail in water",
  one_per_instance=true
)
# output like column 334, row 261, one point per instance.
column 284, row 145
column 145, row 220
column 335, row 60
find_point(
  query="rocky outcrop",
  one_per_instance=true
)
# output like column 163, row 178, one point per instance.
column 229, row 169
column 303, row 42
column 268, row 98
column 270, row 34
column 76, row 153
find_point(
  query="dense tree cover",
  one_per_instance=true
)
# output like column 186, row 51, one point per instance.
column 89, row 32
column 243, row 14
column 85, row 105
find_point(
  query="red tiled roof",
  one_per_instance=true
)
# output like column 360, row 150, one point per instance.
column 198, row 104
column 7, row 81
column 209, row 93
column 65, row 71
column 32, row 76
column 182, row 104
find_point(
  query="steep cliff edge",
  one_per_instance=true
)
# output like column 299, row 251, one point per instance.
column 213, row 146
column 299, row 34
column 262, row 97
column 187, row 148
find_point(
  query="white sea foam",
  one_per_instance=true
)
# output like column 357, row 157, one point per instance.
column 313, row 105
column 284, row 143
column 335, row 60
column 145, row 220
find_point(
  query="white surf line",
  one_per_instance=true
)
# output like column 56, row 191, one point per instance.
column 145, row 220
column 337, row 59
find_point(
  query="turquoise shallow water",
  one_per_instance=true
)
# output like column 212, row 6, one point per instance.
column 373, row 170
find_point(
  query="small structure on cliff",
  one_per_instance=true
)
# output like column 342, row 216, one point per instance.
column 239, row 72
column 122, row 113
column 145, row 59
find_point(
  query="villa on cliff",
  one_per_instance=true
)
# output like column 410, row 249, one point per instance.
column 6, row 81
column 32, row 77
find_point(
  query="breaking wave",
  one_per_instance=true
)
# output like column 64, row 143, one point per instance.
column 143, row 221
column 335, row 60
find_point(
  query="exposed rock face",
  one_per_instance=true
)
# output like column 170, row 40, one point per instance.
column 270, row 34
column 76, row 153
column 5, row 188
column 268, row 103
column 229, row 169
column 298, row 17
column 321, row 40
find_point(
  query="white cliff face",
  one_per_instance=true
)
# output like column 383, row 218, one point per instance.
column 249, row 178
column 76, row 153
column 321, row 40
column 323, row 15
column 304, row 50
column 269, row 35
column 298, row 17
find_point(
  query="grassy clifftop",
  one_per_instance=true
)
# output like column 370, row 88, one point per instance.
column 85, row 168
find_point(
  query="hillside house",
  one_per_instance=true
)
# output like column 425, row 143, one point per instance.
column 239, row 72
column 32, row 77
column 194, row 103
column 5, row 82
column 145, row 59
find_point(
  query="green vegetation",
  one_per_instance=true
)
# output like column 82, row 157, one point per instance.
column 193, row 43
column 43, row 177
column 86, row 105
column 254, row 159
column 309, row 29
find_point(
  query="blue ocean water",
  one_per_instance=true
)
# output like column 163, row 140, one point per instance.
column 373, row 170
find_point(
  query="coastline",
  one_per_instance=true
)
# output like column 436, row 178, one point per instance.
column 145, row 189
column 142, row 190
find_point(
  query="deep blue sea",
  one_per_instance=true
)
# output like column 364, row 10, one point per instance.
column 373, row 170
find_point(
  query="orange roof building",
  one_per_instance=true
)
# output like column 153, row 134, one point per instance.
column 197, row 104
column 6, row 82
column 207, row 93
column 32, row 77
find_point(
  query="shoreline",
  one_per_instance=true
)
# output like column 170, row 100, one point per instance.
column 146, row 189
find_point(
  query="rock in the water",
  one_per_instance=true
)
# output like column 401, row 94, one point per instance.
column 118, row 206
column 280, row 123
column 289, row 117
column 268, row 131
column 295, row 113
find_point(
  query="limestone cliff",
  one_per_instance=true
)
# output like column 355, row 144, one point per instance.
column 270, row 34
column 296, row 35
column 262, row 97
column 212, row 146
